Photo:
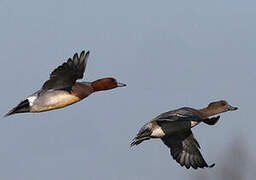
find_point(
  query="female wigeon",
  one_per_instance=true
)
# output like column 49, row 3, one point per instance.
column 62, row 89
column 174, row 128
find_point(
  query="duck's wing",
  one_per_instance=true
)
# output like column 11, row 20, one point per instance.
column 64, row 76
column 185, row 150
column 182, row 114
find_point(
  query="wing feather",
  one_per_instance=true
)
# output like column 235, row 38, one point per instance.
column 65, row 75
column 185, row 150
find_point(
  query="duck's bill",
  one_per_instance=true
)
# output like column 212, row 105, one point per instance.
column 121, row 84
column 231, row 108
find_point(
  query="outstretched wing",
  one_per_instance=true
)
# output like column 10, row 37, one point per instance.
column 64, row 76
column 182, row 114
column 185, row 150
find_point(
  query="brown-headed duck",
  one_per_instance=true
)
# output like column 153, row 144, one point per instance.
column 62, row 89
column 174, row 128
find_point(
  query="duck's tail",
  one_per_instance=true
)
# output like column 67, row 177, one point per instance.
column 20, row 108
column 211, row 121
column 143, row 134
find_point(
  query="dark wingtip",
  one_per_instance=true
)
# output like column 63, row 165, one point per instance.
column 82, row 54
column 87, row 54
column 211, row 121
column 211, row 165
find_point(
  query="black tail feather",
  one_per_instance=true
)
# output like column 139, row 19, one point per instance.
column 143, row 134
column 137, row 140
column 20, row 108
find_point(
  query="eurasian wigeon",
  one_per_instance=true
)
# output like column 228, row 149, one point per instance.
column 174, row 128
column 62, row 89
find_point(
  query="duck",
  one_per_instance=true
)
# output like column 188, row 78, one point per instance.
column 174, row 129
column 62, row 88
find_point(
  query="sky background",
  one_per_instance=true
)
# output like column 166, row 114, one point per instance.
column 169, row 53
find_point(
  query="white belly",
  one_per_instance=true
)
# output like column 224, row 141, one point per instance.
column 53, row 100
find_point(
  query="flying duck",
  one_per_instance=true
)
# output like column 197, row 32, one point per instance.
column 174, row 128
column 62, row 89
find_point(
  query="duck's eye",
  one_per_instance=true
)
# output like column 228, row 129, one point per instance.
column 223, row 103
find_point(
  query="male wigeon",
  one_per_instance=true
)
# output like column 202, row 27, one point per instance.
column 62, row 89
column 174, row 128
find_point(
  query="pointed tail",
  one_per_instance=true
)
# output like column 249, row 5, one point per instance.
column 20, row 108
column 143, row 134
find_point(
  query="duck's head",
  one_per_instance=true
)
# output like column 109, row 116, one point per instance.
column 106, row 84
column 220, row 106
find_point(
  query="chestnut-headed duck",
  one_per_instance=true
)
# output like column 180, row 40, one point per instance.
column 174, row 128
column 62, row 89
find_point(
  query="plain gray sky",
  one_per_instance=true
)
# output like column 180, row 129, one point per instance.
column 170, row 53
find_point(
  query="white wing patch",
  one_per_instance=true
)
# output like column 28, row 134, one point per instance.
column 31, row 99
column 157, row 132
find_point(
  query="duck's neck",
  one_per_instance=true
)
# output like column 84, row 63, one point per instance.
column 82, row 89
column 207, row 112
